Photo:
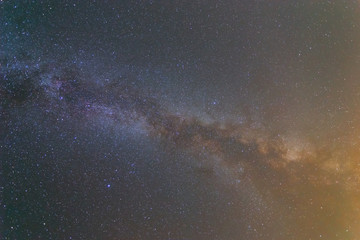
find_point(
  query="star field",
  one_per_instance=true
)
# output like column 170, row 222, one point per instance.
column 182, row 120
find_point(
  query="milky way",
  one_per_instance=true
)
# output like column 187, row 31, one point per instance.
column 190, row 120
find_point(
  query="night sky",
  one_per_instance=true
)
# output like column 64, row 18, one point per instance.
column 180, row 120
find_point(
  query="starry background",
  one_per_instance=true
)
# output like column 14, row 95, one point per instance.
column 180, row 120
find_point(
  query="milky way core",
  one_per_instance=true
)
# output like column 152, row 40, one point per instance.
column 229, row 120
